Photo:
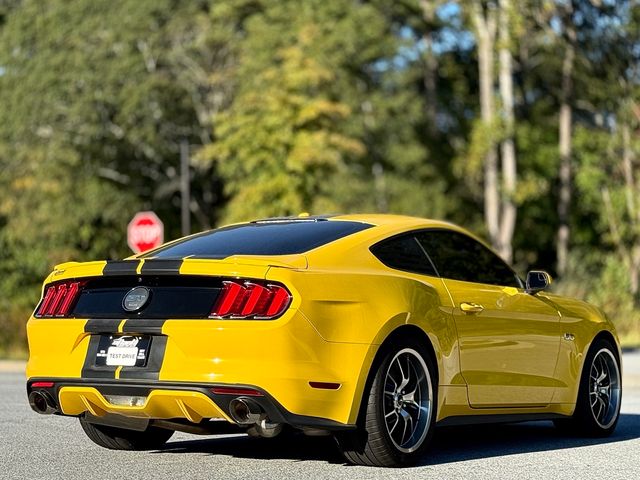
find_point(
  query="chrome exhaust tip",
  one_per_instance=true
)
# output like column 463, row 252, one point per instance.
column 42, row 403
column 245, row 411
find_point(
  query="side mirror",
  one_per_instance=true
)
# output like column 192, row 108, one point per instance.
column 537, row 281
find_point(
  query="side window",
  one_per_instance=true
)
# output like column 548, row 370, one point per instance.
column 403, row 253
column 459, row 257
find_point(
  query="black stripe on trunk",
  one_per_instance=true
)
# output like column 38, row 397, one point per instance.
column 89, row 369
column 121, row 267
column 154, row 363
column 161, row 267
column 144, row 325
column 102, row 325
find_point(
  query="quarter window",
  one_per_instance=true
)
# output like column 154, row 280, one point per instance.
column 403, row 253
column 459, row 257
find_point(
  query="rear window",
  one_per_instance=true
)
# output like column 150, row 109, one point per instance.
column 261, row 238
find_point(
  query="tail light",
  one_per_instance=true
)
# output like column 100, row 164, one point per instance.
column 58, row 299
column 251, row 299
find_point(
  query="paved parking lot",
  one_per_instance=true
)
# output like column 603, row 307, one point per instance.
column 33, row 447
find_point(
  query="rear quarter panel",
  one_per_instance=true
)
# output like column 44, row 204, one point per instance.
column 350, row 297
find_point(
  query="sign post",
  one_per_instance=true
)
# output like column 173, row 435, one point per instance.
column 145, row 232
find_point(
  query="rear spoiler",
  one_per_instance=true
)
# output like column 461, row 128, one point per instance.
column 237, row 265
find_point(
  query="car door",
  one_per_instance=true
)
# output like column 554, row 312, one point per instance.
column 509, row 340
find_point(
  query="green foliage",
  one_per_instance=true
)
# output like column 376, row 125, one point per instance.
column 603, row 281
column 280, row 143
column 94, row 106
column 320, row 121
column 319, row 106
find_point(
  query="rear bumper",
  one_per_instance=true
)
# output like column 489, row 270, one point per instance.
column 164, row 400
column 282, row 358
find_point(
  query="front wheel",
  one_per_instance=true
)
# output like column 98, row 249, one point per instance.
column 115, row 438
column 399, row 415
column 599, row 396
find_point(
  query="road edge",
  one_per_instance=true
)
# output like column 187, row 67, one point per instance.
column 13, row 366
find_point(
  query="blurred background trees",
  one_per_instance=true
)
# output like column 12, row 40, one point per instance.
column 520, row 120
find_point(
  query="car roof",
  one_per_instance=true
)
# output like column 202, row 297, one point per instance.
column 389, row 225
column 384, row 226
column 386, row 219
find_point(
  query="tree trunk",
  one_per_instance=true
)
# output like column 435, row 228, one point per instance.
column 485, row 26
column 565, row 142
column 430, row 67
column 508, row 151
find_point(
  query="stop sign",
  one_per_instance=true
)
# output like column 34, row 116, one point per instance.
column 144, row 232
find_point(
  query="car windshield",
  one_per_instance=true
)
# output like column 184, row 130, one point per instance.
column 270, row 237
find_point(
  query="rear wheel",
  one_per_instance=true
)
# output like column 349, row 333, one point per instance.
column 399, row 414
column 115, row 438
column 599, row 397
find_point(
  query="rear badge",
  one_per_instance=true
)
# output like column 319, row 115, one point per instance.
column 135, row 299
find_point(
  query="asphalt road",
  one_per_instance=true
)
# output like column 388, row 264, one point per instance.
column 34, row 446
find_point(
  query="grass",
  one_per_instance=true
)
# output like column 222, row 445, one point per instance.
column 16, row 352
column 630, row 340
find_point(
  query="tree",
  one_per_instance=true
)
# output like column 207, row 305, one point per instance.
column 334, row 60
column 507, row 144
column 485, row 24
column 564, row 134
column 283, row 164
column 490, row 20
column 95, row 102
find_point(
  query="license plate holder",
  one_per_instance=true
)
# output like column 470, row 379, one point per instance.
column 123, row 350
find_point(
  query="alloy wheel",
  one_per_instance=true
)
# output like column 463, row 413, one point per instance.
column 408, row 400
column 604, row 388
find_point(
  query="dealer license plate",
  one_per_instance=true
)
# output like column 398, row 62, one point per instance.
column 126, row 356
column 123, row 350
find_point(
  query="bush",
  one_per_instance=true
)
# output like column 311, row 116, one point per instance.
column 604, row 281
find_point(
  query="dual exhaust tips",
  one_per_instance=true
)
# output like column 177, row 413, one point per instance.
column 243, row 410
column 42, row 403
column 246, row 411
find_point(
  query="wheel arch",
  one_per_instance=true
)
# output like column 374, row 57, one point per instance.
column 608, row 336
column 600, row 335
column 403, row 332
column 395, row 337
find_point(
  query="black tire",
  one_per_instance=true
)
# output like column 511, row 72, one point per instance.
column 599, row 420
column 372, row 444
column 115, row 438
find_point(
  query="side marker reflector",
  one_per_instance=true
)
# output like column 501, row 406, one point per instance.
column 42, row 385
column 239, row 391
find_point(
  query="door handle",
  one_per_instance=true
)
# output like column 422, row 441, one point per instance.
column 470, row 307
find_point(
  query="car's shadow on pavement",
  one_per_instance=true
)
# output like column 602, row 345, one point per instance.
column 451, row 444
column 456, row 444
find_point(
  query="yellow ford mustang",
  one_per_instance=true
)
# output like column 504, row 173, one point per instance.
column 373, row 328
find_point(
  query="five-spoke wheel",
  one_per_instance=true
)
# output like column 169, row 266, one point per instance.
column 398, row 415
column 604, row 388
column 408, row 400
column 600, row 393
